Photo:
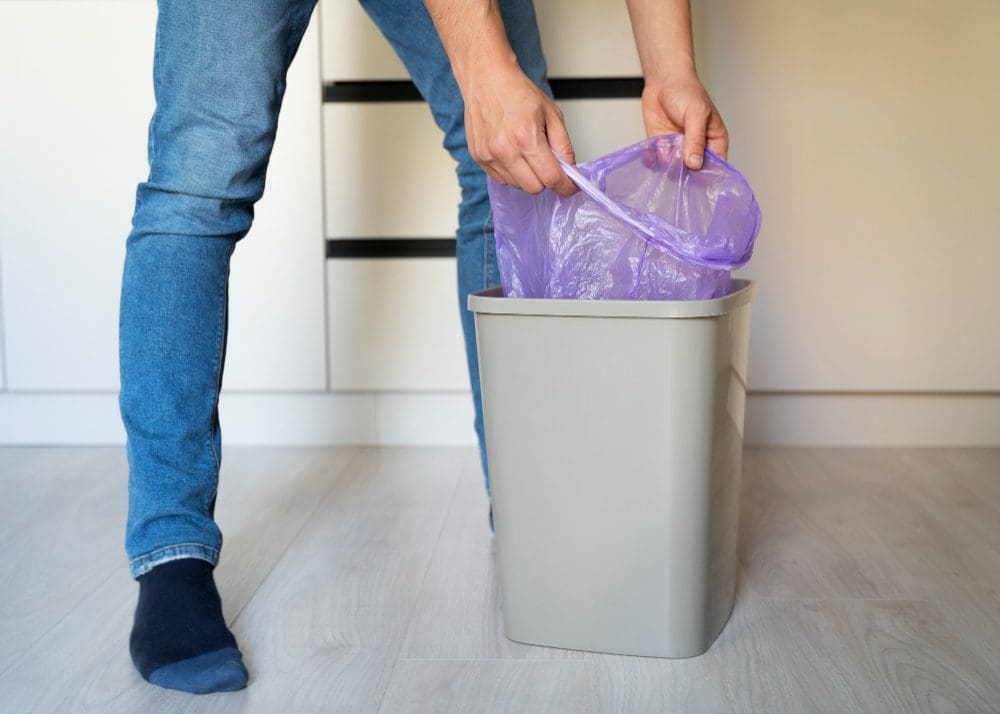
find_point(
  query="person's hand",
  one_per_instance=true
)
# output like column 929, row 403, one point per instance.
column 681, row 105
column 512, row 127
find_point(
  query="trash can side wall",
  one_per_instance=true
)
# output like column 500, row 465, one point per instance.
column 611, row 538
column 726, row 481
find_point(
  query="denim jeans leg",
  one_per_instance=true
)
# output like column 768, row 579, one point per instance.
column 410, row 30
column 219, row 77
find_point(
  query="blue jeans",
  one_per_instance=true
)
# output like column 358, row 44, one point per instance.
column 219, row 78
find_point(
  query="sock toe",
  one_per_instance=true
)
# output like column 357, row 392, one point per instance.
column 217, row 671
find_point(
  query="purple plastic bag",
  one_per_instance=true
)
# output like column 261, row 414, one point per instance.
column 642, row 227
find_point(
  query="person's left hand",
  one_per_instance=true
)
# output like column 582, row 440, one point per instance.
column 680, row 105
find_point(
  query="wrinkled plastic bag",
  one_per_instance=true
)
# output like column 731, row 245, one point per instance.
column 642, row 227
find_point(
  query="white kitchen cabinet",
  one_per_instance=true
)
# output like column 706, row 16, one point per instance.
column 394, row 325
column 77, row 82
column 277, row 319
column 580, row 38
column 387, row 174
column 3, row 370
column 77, row 99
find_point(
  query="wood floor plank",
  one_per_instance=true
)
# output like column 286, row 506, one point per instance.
column 33, row 479
column 816, row 656
column 324, row 632
column 936, row 529
column 361, row 580
column 393, row 499
column 467, row 522
column 82, row 663
column 266, row 495
column 983, row 469
column 459, row 613
column 973, row 614
column 961, row 493
column 554, row 687
column 800, row 535
column 60, row 543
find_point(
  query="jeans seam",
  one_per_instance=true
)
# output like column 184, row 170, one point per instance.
column 150, row 554
column 220, row 329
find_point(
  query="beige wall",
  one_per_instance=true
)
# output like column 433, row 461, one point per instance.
column 869, row 132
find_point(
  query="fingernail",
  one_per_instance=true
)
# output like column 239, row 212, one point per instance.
column 695, row 160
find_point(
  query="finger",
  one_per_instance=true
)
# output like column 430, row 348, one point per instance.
column 498, row 175
column 649, row 157
column 667, row 151
column 495, row 175
column 718, row 136
column 695, row 126
column 524, row 176
column 544, row 165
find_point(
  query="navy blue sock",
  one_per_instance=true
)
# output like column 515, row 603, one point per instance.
column 179, row 638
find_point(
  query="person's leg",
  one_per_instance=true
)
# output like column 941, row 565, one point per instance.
column 219, row 77
column 411, row 32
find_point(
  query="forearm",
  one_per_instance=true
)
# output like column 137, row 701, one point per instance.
column 512, row 127
column 474, row 37
column 662, row 30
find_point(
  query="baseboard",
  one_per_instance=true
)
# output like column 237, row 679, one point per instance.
column 433, row 418
column 829, row 419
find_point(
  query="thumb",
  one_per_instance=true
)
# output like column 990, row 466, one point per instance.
column 695, row 126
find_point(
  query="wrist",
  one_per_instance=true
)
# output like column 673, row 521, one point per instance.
column 677, row 70
column 481, row 65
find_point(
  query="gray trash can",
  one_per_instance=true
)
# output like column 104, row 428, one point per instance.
column 614, row 433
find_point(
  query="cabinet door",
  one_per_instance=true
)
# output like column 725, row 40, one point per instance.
column 394, row 323
column 74, row 147
column 77, row 100
column 277, row 329
column 581, row 38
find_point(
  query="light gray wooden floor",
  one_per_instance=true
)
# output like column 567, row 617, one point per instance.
column 362, row 580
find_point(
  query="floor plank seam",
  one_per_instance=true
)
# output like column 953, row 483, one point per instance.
column 420, row 588
column 532, row 660
column 841, row 599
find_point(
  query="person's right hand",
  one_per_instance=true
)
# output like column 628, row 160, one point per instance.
column 510, row 125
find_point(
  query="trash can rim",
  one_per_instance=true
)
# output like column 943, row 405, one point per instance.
column 492, row 301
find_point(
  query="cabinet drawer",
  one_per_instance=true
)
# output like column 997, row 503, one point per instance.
column 394, row 325
column 387, row 174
